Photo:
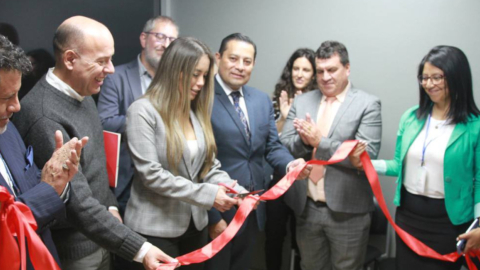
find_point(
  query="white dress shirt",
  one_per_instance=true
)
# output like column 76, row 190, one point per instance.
column 317, row 191
column 228, row 91
column 427, row 180
column 145, row 78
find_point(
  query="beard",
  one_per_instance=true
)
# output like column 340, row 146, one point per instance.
column 3, row 129
column 152, row 59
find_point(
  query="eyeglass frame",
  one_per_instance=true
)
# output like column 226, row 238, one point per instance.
column 440, row 78
column 163, row 38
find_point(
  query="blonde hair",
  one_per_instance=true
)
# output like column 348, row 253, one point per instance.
column 175, row 72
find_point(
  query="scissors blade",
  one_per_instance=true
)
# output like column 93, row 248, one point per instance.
column 243, row 195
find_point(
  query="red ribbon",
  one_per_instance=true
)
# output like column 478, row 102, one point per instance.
column 283, row 185
column 16, row 219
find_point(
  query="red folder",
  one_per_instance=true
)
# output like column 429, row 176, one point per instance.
column 112, row 152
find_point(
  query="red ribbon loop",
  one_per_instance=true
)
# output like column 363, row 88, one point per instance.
column 284, row 184
column 16, row 220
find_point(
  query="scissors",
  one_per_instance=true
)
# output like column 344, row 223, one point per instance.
column 230, row 190
column 243, row 195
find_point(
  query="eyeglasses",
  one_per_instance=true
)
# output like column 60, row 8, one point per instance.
column 436, row 79
column 162, row 38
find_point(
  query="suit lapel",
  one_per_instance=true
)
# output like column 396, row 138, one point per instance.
column 3, row 183
column 14, row 164
column 410, row 134
column 459, row 130
column 134, row 79
column 313, row 106
column 249, row 102
column 225, row 101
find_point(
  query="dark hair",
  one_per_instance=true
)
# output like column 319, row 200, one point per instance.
column 285, row 82
column 66, row 37
column 9, row 32
column 458, row 78
column 328, row 48
column 13, row 57
column 239, row 37
column 42, row 61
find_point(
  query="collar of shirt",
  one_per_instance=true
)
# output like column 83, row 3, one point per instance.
column 145, row 77
column 226, row 88
column 340, row 97
column 5, row 174
column 61, row 86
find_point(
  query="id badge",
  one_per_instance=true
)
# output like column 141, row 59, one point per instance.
column 421, row 179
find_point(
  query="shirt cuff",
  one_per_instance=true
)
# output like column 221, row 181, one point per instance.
column 380, row 166
column 65, row 193
column 477, row 210
column 142, row 252
column 288, row 166
column 113, row 208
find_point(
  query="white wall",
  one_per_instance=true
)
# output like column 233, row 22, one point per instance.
column 386, row 40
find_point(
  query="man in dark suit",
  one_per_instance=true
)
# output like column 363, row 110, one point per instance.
column 43, row 192
column 245, row 133
column 129, row 82
column 333, row 207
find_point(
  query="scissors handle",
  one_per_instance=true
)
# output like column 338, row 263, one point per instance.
column 230, row 190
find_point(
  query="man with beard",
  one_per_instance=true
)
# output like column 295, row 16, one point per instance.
column 129, row 82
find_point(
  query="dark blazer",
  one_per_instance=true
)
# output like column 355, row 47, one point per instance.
column 243, row 159
column 118, row 92
column 40, row 197
column 358, row 118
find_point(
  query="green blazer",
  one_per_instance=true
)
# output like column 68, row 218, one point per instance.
column 461, row 167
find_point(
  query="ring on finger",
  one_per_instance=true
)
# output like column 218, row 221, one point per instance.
column 65, row 167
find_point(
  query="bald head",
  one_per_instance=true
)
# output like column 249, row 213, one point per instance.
column 75, row 33
column 83, row 52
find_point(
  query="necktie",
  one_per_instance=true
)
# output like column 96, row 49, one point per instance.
column 324, row 122
column 236, row 102
column 12, row 181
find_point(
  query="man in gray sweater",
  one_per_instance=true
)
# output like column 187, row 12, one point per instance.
column 62, row 101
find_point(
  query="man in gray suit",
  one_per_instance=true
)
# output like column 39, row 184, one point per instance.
column 127, row 84
column 333, row 206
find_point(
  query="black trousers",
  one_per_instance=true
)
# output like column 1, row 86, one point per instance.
column 279, row 215
column 237, row 255
column 427, row 220
column 191, row 240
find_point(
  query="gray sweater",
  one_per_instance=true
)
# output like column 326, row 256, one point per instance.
column 89, row 224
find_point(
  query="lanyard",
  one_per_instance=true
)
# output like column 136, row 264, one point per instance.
column 425, row 144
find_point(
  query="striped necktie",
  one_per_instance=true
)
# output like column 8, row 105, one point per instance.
column 236, row 102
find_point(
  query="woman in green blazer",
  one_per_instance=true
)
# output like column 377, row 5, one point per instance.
column 437, row 160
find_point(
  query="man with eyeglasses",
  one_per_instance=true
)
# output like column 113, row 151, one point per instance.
column 62, row 101
column 129, row 82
